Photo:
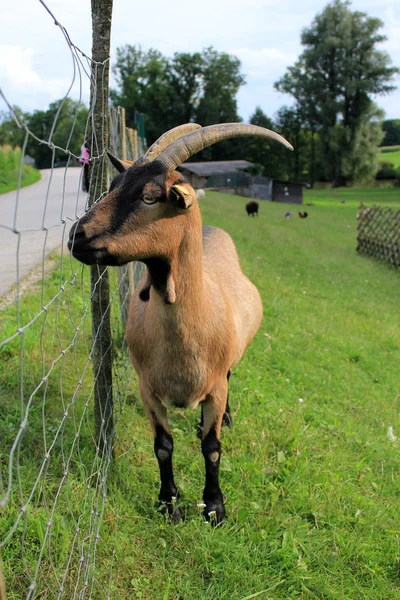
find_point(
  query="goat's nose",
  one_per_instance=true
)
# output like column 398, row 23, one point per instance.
column 75, row 233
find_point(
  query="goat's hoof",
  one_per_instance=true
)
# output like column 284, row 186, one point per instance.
column 227, row 420
column 214, row 512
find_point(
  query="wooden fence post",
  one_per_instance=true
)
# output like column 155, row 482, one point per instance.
column 101, row 327
column 125, row 273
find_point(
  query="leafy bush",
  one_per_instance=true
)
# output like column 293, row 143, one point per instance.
column 386, row 171
column 10, row 159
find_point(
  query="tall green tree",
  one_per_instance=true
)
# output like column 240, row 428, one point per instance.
column 269, row 157
column 222, row 80
column 336, row 76
column 198, row 87
column 143, row 86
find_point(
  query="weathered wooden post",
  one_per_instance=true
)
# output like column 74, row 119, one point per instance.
column 102, row 342
column 124, row 284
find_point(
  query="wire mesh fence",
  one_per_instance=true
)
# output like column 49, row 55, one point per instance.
column 55, row 523
column 379, row 233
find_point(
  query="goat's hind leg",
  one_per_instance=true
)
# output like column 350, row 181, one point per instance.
column 226, row 419
column 163, row 448
column 213, row 411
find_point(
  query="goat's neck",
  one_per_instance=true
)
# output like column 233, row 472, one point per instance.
column 180, row 292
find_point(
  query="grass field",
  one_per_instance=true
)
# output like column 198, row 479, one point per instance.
column 9, row 170
column 352, row 196
column 309, row 469
column 391, row 154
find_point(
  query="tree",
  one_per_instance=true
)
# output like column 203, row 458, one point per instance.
column 221, row 80
column 391, row 127
column 269, row 157
column 63, row 124
column 198, row 87
column 363, row 163
column 185, row 75
column 10, row 133
column 143, row 86
column 334, row 79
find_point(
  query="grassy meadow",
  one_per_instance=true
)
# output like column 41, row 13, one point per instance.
column 9, row 170
column 309, row 470
column 391, row 154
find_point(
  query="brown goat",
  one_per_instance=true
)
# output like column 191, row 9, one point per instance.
column 194, row 312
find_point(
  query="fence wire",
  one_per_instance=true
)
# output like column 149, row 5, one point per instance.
column 379, row 233
column 55, row 523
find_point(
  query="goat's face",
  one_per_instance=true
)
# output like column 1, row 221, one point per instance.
column 144, row 214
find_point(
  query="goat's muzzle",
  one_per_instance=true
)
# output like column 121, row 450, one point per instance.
column 82, row 249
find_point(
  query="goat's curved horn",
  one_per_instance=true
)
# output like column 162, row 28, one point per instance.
column 165, row 140
column 184, row 147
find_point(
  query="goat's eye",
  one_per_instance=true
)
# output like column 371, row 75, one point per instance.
column 149, row 199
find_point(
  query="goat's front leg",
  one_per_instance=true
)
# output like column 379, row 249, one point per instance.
column 213, row 411
column 163, row 448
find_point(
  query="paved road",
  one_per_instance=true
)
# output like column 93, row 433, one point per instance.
column 39, row 213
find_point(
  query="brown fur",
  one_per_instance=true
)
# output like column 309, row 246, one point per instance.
column 196, row 325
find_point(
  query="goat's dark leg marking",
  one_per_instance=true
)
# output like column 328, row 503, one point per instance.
column 214, row 407
column 214, row 510
column 227, row 418
column 163, row 448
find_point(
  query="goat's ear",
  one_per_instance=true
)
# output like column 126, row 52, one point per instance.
column 181, row 196
column 120, row 165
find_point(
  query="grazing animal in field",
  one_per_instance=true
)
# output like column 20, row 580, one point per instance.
column 200, row 194
column 252, row 208
column 303, row 215
column 194, row 312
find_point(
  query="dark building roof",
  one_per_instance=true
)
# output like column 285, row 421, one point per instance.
column 206, row 169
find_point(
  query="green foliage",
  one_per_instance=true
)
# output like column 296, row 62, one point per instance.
column 187, row 87
column 64, row 124
column 333, row 83
column 311, row 487
column 10, row 160
column 391, row 127
column 266, row 155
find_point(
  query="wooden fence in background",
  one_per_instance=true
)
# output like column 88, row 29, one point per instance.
column 379, row 233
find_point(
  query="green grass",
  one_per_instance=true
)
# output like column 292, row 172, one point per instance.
column 309, row 472
column 391, row 154
column 9, row 170
column 353, row 196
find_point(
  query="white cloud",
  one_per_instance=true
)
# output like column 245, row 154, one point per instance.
column 24, row 86
column 16, row 65
column 260, row 63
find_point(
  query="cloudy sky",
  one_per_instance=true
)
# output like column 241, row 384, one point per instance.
column 36, row 66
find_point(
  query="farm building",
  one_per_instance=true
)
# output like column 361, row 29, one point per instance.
column 287, row 192
column 230, row 176
column 216, row 174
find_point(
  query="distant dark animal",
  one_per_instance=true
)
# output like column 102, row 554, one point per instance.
column 252, row 208
column 288, row 215
column 303, row 215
